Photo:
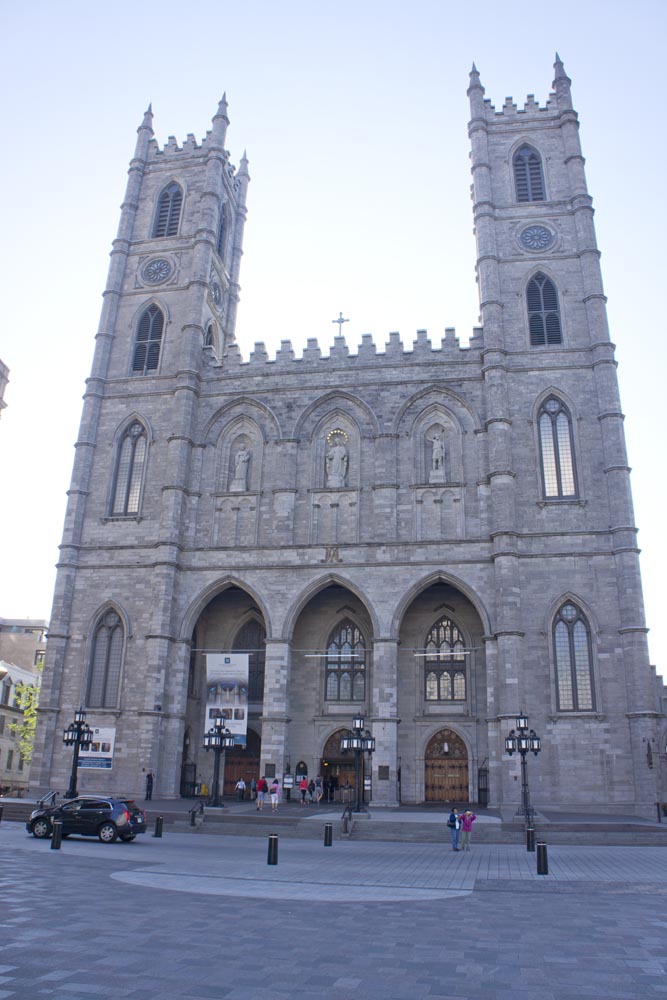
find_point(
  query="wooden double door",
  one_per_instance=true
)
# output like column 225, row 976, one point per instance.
column 446, row 777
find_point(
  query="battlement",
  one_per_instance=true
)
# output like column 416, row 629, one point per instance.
column 339, row 353
column 531, row 107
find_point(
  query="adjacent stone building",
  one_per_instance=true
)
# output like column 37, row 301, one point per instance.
column 435, row 536
column 22, row 653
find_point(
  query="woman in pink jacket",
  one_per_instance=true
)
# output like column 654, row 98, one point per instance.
column 467, row 821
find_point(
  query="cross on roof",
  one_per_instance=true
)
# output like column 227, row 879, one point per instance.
column 340, row 322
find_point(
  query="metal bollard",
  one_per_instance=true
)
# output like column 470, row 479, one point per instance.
column 272, row 858
column 328, row 834
column 530, row 838
column 192, row 817
column 542, row 860
column 158, row 826
column 57, row 835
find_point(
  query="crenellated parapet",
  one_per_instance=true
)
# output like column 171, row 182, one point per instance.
column 339, row 354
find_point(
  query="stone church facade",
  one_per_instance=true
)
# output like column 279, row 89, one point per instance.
column 431, row 535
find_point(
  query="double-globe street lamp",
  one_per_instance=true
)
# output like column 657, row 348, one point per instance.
column 79, row 735
column 218, row 739
column 523, row 741
column 360, row 741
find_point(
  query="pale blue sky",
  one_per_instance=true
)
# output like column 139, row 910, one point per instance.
column 354, row 118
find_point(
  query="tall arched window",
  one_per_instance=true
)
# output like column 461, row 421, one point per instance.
column 222, row 235
column 129, row 472
column 543, row 311
column 251, row 639
column 149, row 339
column 209, row 335
column 557, row 450
column 105, row 662
column 345, row 678
column 168, row 211
column 528, row 176
column 573, row 658
column 445, row 663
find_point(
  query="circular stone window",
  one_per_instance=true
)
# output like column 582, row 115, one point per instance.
column 156, row 271
column 536, row 238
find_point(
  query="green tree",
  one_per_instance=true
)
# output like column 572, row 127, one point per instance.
column 27, row 699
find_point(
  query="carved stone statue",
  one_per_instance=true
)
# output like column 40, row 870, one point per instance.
column 239, row 483
column 336, row 464
column 437, row 473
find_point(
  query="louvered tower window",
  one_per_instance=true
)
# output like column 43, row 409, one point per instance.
column 168, row 211
column 543, row 312
column 222, row 235
column 445, row 663
column 346, row 664
column 129, row 475
column 557, row 450
column 572, row 653
column 528, row 176
column 149, row 338
column 105, row 663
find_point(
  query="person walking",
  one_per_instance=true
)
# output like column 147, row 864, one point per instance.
column 467, row 821
column 319, row 789
column 240, row 789
column 262, row 789
column 303, row 788
column 275, row 794
column 150, row 779
column 253, row 789
column 454, row 824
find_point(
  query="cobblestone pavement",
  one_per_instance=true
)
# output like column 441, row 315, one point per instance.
column 199, row 917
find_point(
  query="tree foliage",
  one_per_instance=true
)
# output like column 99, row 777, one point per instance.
column 27, row 699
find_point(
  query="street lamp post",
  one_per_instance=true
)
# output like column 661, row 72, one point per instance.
column 522, row 740
column 218, row 739
column 79, row 735
column 360, row 741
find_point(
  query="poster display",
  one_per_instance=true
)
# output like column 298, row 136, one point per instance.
column 100, row 753
column 227, row 693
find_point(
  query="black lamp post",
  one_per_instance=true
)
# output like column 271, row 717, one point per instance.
column 79, row 735
column 522, row 740
column 360, row 741
column 218, row 739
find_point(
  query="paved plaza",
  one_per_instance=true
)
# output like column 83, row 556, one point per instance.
column 201, row 917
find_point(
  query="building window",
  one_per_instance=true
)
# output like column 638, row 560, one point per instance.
column 222, row 236
column 528, row 176
column 106, row 660
column 168, row 211
column 209, row 336
column 149, row 339
column 557, row 451
column 251, row 639
column 445, row 663
column 346, row 664
column 4, row 693
column 543, row 312
column 10, row 759
column 129, row 475
column 573, row 658
column 2, row 724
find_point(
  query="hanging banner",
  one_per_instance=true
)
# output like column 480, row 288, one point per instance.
column 100, row 753
column 227, row 693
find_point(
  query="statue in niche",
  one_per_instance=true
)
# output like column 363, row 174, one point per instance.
column 239, row 483
column 336, row 459
column 437, row 472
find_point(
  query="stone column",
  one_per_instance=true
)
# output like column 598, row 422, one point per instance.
column 383, row 722
column 274, row 716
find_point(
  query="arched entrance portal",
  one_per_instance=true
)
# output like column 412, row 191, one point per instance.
column 243, row 764
column 446, row 768
column 338, row 768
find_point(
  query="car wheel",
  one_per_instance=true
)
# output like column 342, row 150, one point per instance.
column 41, row 828
column 107, row 833
column 126, row 840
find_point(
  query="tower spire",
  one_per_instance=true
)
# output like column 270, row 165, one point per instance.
column 221, row 121
column 476, row 94
column 561, row 85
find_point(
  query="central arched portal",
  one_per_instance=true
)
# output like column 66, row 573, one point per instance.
column 446, row 768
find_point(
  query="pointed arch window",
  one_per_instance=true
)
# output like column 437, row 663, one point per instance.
column 129, row 472
column 543, row 311
column 209, row 336
column 105, row 663
column 573, row 659
column 148, row 343
column 557, row 450
column 251, row 639
column 445, row 663
column 345, row 671
column 528, row 175
column 168, row 211
column 222, row 235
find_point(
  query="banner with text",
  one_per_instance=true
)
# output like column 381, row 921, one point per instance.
column 227, row 693
column 100, row 753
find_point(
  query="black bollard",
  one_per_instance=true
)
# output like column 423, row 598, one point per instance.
column 158, row 826
column 542, row 860
column 272, row 858
column 57, row 835
column 530, row 838
column 192, row 817
column 328, row 834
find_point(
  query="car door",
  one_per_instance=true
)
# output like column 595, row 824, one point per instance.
column 93, row 813
column 68, row 814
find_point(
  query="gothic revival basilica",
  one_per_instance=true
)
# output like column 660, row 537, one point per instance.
column 435, row 537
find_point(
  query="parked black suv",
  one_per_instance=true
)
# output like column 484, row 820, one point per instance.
column 90, row 816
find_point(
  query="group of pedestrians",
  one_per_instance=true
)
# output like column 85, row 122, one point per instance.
column 460, row 827
column 311, row 791
column 259, row 791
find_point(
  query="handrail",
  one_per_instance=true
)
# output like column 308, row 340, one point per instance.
column 48, row 800
column 347, row 811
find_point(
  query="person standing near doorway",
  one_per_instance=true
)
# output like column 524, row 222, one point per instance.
column 454, row 824
column 240, row 789
column 262, row 789
column 150, row 779
column 275, row 794
column 303, row 788
column 467, row 821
